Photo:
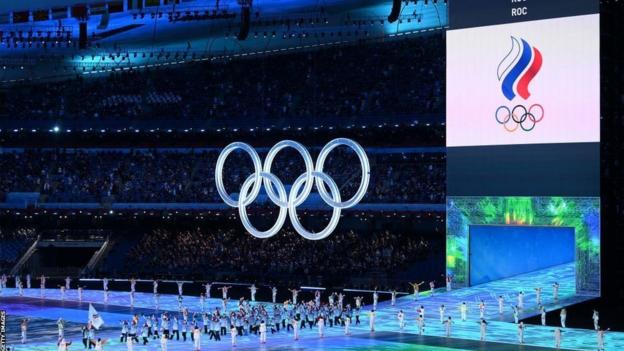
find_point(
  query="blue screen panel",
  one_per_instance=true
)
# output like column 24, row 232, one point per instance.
column 498, row 252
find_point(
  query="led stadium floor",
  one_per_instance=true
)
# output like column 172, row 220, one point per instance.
column 501, row 334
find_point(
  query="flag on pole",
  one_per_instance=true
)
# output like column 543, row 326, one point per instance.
column 94, row 317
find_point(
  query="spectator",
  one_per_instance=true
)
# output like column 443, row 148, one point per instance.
column 153, row 176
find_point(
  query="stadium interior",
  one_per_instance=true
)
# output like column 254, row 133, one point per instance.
column 113, row 115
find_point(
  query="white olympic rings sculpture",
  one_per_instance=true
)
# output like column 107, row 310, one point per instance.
column 288, row 203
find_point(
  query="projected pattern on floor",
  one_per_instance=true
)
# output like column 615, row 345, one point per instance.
column 501, row 334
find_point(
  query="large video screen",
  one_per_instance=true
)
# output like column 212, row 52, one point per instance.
column 523, row 134
column 535, row 82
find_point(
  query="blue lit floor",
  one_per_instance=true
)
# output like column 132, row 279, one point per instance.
column 501, row 335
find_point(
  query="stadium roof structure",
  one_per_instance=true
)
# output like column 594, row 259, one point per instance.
column 41, row 39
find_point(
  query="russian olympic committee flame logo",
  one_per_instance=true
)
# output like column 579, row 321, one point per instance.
column 288, row 203
column 515, row 72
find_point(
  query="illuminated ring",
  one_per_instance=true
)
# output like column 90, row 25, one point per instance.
column 219, row 173
column 242, row 205
column 508, row 114
column 523, row 116
column 292, row 208
column 532, row 118
column 309, row 165
column 288, row 202
column 537, row 120
column 320, row 163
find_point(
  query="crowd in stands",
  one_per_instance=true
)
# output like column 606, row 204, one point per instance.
column 186, row 176
column 391, row 78
column 346, row 254
column 157, row 134
column 13, row 243
column 397, row 80
column 366, row 247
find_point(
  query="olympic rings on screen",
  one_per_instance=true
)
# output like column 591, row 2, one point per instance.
column 300, row 190
column 519, row 117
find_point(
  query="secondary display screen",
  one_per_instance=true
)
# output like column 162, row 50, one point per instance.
column 534, row 82
column 523, row 98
